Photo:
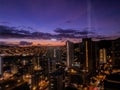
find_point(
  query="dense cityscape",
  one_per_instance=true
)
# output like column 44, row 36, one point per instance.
column 59, row 45
column 87, row 65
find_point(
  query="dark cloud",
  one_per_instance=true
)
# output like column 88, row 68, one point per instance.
column 71, row 33
column 4, row 22
column 2, row 43
column 118, row 32
column 101, row 37
column 66, row 36
column 85, row 32
column 42, row 35
column 25, row 28
column 60, row 30
column 13, row 32
column 25, row 43
column 68, row 21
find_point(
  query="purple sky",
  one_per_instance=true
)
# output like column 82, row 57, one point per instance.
column 49, row 16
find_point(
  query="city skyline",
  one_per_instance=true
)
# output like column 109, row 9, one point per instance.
column 56, row 21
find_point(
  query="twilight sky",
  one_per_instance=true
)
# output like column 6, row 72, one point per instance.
column 33, row 20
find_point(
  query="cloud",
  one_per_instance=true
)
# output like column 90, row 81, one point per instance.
column 11, row 32
column 25, row 43
column 79, row 34
column 26, row 28
column 83, row 32
column 118, row 32
column 68, row 21
column 66, row 36
column 72, row 33
column 60, row 30
column 15, row 32
column 2, row 43
column 100, row 37
column 4, row 22
column 42, row 35
column 60, row 34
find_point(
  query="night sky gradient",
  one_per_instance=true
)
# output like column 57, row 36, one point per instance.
column 50, row 20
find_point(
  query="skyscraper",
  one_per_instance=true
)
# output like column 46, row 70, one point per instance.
column 87, row 50
column 0, row 65
column 103, row 56
column 70, row 53
column 116, row 52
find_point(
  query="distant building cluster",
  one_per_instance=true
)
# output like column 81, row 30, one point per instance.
column 90, row 53
column 55, row 67
column 84, row 54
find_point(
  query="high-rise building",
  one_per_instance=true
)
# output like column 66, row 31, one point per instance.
column 82, row 54
column 57, row 53
column 88, row 58
column 51, row 55
column 76, row 61
column 106, row 46
column 70, row 53
column 63, row 53
column 105, row 51
column 103, row 56
column 0, row 65
column 116, row 52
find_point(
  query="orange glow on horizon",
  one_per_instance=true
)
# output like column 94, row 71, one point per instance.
column 34, row 42
column 48, row 43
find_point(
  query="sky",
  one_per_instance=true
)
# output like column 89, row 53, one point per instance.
column 53, row 21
